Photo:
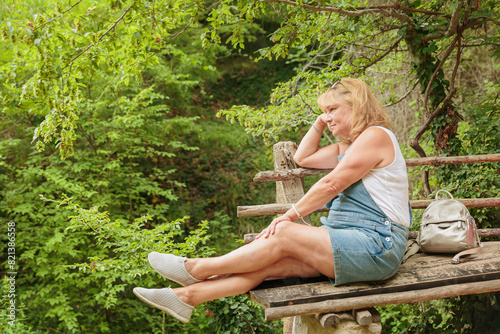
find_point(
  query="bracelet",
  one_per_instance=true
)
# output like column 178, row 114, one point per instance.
column 298, row 214
column 316, row 129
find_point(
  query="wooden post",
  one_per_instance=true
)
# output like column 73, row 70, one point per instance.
column 289, row 191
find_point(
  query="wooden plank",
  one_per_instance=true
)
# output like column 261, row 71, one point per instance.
column 468, row 202
column 421, row 271
column 416, row 296
column 276, row 209
column 465, row 159
column 267, row 209
column 281, row 175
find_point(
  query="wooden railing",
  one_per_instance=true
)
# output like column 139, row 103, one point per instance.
column 280, row 175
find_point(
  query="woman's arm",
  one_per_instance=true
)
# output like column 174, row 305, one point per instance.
column 372, row 149
column 308, row 155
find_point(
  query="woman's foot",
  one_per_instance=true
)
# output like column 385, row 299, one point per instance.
column 172, row 267
column 166, row 300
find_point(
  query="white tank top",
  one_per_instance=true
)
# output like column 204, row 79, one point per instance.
column 388, row 186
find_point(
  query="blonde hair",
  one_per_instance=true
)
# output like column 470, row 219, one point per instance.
column 366, row 109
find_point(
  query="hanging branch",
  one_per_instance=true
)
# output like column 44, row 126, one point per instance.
column 104, row 34
column 457, row 62
column 306, row 66
column 173, row 36
column 385, row 53
column 414, row 141
column 445, row 57
column 358, row 11
column 452, row 28
column 58, row 16
column 402, row 97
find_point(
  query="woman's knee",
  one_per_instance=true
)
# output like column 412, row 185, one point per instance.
column 286, row 234
column 283, row 228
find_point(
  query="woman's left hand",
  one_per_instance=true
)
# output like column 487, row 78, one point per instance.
column 271, row 229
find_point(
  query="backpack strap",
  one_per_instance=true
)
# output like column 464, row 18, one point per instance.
column 456, row 258
column 412, row 247
column 443, row 191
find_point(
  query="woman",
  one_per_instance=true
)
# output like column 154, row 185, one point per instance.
column 363, row 238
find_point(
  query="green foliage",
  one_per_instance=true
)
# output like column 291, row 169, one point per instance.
column 103, row 281
column 427, row 317
column 131, row 241
column 364, row 43
column 481, row 180
column 477, row 134
column 12, row 323
column 143, row 149
column 466, row 314
column 235, row 315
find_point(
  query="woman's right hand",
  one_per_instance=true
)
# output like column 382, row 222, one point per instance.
column 322, row 119
column 271, row 229
column 309, row 155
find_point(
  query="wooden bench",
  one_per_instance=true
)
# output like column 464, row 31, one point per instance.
column 422, row 278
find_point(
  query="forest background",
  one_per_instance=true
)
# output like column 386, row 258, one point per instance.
column 115, row 140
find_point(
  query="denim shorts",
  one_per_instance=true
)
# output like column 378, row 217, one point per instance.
column 364, row 248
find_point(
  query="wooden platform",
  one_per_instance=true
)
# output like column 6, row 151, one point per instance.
column 423, row 277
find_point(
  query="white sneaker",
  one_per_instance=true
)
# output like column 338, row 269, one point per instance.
column 166, row 300
column 172, row 267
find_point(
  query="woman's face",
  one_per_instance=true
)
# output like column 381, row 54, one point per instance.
column 338, row 118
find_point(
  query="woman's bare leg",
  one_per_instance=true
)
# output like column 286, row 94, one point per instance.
column 232, row 285
column 310, row 245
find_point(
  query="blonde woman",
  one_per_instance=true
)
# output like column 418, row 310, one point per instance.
column 362, row 239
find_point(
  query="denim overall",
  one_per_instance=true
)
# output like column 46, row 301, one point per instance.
column 366, row 244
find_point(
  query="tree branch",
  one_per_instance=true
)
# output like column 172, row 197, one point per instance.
column 58, row 16
column 414, row 142
column 405, row 9
column 194, row 19
column 107, row 31
column 153, row 15
column 359, row 11
column 376, row 60
column 487, row 19
column 447, row 54
column 457, row 63
column 402, row 97
column 452, row 28
column 395, row 14
column 306, row 66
